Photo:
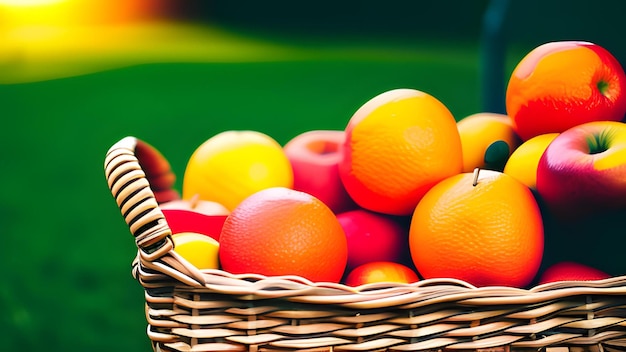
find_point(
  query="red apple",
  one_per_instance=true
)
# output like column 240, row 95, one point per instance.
column 561, row 84
column 195, row 215
column 571, row 271
column 583, row 170
column 314, row 157
column 373, row 237
column 374, row 272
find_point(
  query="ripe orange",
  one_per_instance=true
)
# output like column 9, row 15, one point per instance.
column 380, row 272
column 566, row 271
column 490, row 233
column 280, row 231
column 232, row 165
column 562, row 84
column 398, row 145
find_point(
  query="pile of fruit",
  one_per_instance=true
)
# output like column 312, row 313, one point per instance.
column 405, row 192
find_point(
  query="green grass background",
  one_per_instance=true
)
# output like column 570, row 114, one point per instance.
column 66, row 251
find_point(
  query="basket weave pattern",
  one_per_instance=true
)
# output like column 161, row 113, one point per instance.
column 212, row 310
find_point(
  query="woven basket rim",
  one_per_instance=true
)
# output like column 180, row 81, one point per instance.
column 164, row 259
column 436, row 289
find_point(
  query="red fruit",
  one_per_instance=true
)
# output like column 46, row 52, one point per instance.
column 373, row 237
column 561, row 84
column 582, row 172
column 571, row 271
column 381, row 272
column 314, row 158
column 199, row 216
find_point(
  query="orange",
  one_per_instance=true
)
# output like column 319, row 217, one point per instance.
column 487, row 139
column 485, row 232
column 232, row 165
column 523, row 162
column 571, row 271
column 398, row 145
column 562, row 84
column 381, row 272
column 281, row 231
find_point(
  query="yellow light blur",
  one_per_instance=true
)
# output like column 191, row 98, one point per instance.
column 62, row 38
column 22, row 3
column 36, row 12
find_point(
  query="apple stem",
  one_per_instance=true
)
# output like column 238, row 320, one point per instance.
column 476, row 172
column 194, row 200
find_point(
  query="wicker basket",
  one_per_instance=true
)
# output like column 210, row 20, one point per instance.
column 212, row 310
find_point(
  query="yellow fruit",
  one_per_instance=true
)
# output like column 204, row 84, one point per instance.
column 487, row 140
column 522, row 164
column 198, row 249
column 232, row 165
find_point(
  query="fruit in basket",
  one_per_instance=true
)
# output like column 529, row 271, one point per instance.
column 487, row 140
column 583, row 170
column 523, row 162
column 484, row 228
column 381, row 271
column 198, row 249
column 561, row 84
column 232, row 165
column 195, row 215
column 373, row 237
column 314, row 157
column 571, row 271
column 398, row 145
column 281, row 231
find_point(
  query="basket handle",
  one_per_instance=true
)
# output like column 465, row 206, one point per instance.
column 140, row 179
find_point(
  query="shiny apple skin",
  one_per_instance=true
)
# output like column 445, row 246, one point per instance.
column 583, row 170
column 314, row 157
column 602, row 96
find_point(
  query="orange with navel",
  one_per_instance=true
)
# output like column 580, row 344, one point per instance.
column 398, row 145
column 484, row 228
column 281, row 231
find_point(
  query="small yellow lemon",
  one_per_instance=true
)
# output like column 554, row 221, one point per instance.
column 198, row 249
column 232, row 165
column 522, row 163
column 487, row 139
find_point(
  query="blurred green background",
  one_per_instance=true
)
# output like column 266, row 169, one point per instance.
column 174, row 73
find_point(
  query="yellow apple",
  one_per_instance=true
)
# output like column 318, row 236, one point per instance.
column 198, row 249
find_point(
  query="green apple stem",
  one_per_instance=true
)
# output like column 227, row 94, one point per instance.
column 600, row 142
